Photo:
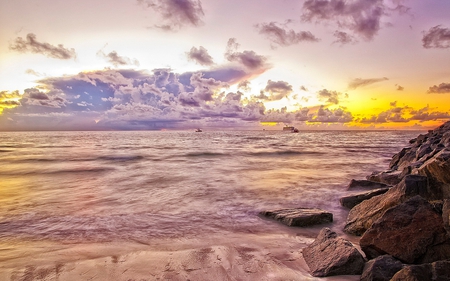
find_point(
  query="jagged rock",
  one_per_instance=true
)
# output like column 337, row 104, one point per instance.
column 365, row 185
column 332, row 255
column 299, row 216
column 353, row 200
column 436, row 271
column 437, row 169
column 392, row 177
column 381, row 269
column 363, row 215
column 405, row 231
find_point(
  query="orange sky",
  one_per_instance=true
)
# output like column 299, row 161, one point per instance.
column 224, row 64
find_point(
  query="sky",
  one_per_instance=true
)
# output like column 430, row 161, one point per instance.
column 224, row 64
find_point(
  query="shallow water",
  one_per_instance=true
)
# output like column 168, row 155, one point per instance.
column 60, row 189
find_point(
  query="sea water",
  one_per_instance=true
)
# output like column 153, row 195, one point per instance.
column 59, row 189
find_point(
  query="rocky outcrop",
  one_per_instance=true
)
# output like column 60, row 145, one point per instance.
column 428, row 155
column 363, row 215
column 299, row 216
column 331, row 255
column 406, row 232
column 381, row 269
column 436, row 271
column 353, row 200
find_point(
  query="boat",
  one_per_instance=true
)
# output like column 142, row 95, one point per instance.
column 288, row 128
column 198, row 130
column 295, row 130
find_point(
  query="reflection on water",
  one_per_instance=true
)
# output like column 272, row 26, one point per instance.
column 60, row 188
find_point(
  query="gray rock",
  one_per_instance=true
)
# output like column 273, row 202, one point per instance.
column 381, row 269
column 405, row 232
column 299, row 216
column 331, row 255
column 363, row 215
column 436, row 271
column 353, row 200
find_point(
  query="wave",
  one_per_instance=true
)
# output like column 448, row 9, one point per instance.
column 121, row 158
column 284, row 153
column 204, row 154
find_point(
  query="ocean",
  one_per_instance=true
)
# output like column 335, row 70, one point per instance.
column 68, row 199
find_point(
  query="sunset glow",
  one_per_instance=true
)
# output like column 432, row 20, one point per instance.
column 113, row 65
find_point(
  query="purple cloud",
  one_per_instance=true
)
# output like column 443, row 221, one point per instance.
column 249, row 59
column 343, row 38
column 359, row 82
column 30, row 44
column 284, row 37
column 436, row 37
column 200, row 56
column 117, row 60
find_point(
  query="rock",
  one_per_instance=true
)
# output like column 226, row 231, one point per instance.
column 299, row 216
column 396, row 158
column 405, row 231
column 365, row 184
column 353, row 200
column 436, row 271
column 437, row 169
column 392, row 177
column 446, row 214
column 363, row 215
column 381, row 269
column 331, row 255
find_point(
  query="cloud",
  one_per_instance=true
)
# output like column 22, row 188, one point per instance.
column 284, row 37
column 362, row 17
column 30, row 44
column 330, row 97
column 359, row 82
column 200, row 56
column 244, row 85
column 405, row 114
column 249, row 59
column 176, row 13
column 278, row 89
column 326, row 115
column 399, row 88
column 436, row 37
column 443, row 88
column 116, row 60
column 343, row 38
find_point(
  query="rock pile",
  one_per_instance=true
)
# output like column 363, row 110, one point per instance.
column 405, row 228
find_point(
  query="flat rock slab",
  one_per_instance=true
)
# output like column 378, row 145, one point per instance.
column 299, row 216
column 353, row 200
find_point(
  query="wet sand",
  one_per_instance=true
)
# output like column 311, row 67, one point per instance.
column 244, row 257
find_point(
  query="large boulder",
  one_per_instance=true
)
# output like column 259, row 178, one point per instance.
column 381, row 269
column 363, row 215
column 351, row 201
column 299, row 216
column 406, row 232
column 391, row 177
column 332, row 255
column 436, row 271
column 437, row 169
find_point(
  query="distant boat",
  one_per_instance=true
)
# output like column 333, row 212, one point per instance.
column 295, row 130
column 288, row 128
column 198, row 130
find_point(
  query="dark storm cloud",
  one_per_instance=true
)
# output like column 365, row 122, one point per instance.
column 363, row 17
column 200, row 56
column 117, row 60
column 249, row 59
column 176, row 12
column 443, row 88
column 436, row 37
column 343, row 38
column 283, row 36
column 30, row 44
column 359, row 82
column 330, row 97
